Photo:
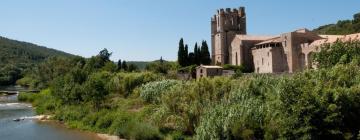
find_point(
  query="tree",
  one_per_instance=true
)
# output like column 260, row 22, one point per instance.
column 119, row 65
column 110, row 67
column 161, row 60
column 186, row 55
column 181, row 53
column 192, row 59
column 104, row 55
column 124, row 65
column 357, row 18
column 96, row 89
column 205, row 54
column 132, row 67
column 196, row 54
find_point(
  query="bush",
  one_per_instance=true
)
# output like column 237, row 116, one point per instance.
column 105, row 121
column 125, row 83
column 71, row 113
column 151, row 92
column 235, row 68
column 126, row 126
column 44, row 102
column 339, row 52
column 90, row 120
column 27, row 97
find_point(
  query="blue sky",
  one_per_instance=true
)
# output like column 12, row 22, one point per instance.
column 149, row 29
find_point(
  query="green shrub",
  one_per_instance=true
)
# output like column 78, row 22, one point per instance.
column 151, row 92
column 121, row 123
column 177, row 136
column 240, row 69
column 27, row 97
column 105, row 121
column 337, row 53
column 43, row 101
column 71, row 113
column 90, row 120
column 125, row 83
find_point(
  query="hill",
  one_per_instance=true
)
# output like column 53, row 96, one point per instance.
column 342, row 27
column 17, row 56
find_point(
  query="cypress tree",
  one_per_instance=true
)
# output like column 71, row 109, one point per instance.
column 181, row 53
column 124, row 65
column 192, row 59
column 119, row 65
column 161, row 60
column 199, row 55
column 196, row 55
column 186, row 55
column 205, row 54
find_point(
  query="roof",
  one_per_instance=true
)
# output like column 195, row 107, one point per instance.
column 334, row 38
column 210, row 66
column 272, row 40
column 253, row 37
column 307, row 34
column 302, row 30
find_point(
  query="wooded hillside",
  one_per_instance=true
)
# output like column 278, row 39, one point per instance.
column 17, row 56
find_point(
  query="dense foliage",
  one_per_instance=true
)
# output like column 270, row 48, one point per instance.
column 314, row 104
column 161, row 66
column 342, row 27
column 338, row 53
column 16, row 57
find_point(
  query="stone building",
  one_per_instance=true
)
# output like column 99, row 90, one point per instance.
column 208, row 71
column 287, row 52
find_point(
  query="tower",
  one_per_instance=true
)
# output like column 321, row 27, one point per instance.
column 225, row 25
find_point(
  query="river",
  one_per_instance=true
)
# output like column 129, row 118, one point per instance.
column 30, row 129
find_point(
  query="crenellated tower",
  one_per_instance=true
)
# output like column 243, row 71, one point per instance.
column 225, row 25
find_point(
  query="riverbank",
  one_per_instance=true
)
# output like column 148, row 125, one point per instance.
column 29, row 128
column 108, row 137
column 48, row 119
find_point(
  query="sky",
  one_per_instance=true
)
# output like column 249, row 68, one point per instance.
column 145, row 30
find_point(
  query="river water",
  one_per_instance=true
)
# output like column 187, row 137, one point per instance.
column 30, row 129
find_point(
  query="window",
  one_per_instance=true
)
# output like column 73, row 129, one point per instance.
column 262, row 61
column 268, row 54
column 201, row 71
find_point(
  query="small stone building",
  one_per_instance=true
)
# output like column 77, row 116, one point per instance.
column 208, row 71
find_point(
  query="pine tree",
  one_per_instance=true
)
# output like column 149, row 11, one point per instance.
column 205, row 54
column 119, row 65
column 124, row 66
column 181, row 53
